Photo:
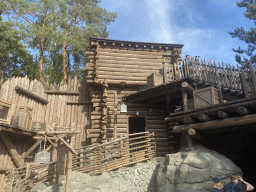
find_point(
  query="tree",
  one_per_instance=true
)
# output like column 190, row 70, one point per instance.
column 14, row 58
column 248, row 37
column 80, row 20
column 35, row 20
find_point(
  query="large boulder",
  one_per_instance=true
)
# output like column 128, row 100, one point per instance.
column 193, row 169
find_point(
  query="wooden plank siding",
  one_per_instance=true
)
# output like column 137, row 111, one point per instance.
column 55, row 111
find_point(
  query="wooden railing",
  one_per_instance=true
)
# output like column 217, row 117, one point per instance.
column 109, row 156
column 209, row 72
column 24, row 178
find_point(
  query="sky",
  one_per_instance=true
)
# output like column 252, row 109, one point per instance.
column 201, row 25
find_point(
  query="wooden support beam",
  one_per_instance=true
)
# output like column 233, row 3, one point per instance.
column 56, row 132
column 203, row 117
column 218, row 83
column 69, row 167
column 229, row 122
column 24, row 155
column 242, row 111
column 62, row 92
column 193, row 133
column 68, row 146
column 79, row 103
column 213, row 109
column 12, row 150
column 50, row 141
column 222, row 115
column 30, row 94
column 244, row 84
column 115, row 115
column 186, row 87
column 253, row 77
column 188, row 120
column 185, row 100
column 186, row 140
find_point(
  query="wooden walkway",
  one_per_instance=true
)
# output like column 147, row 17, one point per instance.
column 229, row 78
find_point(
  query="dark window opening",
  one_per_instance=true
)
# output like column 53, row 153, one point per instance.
column 238, row 145
column 137, row 124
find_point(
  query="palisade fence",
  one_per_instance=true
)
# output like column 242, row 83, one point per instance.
column 24, row 178
column 130, row 149
column 209, row 72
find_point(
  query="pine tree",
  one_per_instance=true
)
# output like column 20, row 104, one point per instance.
column 13, row 54
column 248, row 37
column 35, row 20
column 80, row 20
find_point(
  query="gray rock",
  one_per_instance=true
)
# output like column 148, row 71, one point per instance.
column 193, row 170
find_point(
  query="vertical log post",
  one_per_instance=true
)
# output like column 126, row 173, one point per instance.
column 69, row 166
column 2, row 177
column 252, row 72
column 218, row 83
column 244, row 84
column 115, row 115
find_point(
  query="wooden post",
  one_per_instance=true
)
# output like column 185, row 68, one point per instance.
column 11, row 149
column 252, row 72
column 218, row 83
column 2, row 177
column 186, row 140
column 115, row 115
column 244, row 84
column 185, row 100
column 193, row 133
column 186, row 87
column 69, row 166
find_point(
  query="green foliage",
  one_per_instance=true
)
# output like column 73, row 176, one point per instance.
column 52, row 26
column 15, row 60
column 248, row 37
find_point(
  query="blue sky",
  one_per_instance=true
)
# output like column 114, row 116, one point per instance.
column 201, row 25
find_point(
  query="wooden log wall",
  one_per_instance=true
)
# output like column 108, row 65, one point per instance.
column 68, row 103
column 125, row 64
column 60, row 104
column 154, row 117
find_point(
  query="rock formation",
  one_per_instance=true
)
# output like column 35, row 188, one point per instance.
column 192, row 170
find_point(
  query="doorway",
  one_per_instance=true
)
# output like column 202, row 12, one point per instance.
column 137, row 124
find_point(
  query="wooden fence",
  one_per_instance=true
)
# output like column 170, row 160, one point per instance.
column 24, row 178
column 130, row 149
column 209, row 72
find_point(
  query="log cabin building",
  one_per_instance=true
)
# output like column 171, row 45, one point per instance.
column 119, row 68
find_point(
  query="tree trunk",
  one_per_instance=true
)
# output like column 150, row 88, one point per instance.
column 64, row 59
column 41, row 59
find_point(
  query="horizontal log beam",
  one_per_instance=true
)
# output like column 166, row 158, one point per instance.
column 213, row 109
column 62, row 92
column 79, row 103
column 229, row 122
column 242, row 111
column 222, row 115
column 186, row 87
column 203, row 117
column 188, row 120
column 32, row 95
